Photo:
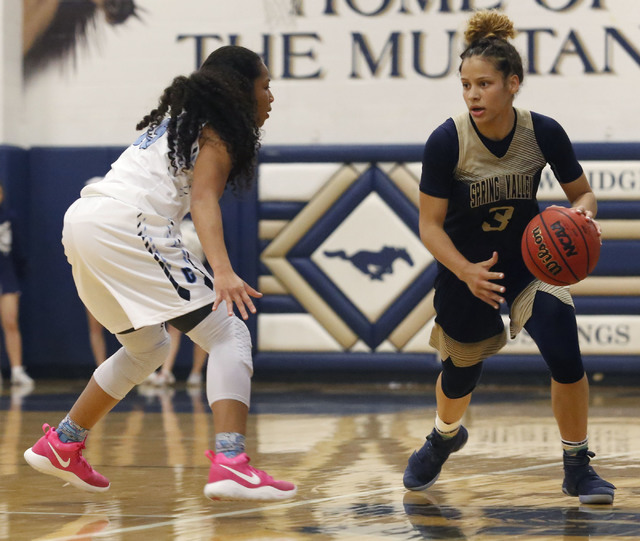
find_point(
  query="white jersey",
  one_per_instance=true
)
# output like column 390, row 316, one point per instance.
column 143, row 177
column 123, row 240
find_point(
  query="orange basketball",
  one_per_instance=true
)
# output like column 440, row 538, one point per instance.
column 560, row 247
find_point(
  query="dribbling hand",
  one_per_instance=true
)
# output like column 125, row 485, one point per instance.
column 589, row 216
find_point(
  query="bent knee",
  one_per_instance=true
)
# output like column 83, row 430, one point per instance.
column 457, row 382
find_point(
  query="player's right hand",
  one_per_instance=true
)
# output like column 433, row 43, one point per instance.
column 478, row 277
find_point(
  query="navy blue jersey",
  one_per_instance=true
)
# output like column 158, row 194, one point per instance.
column 11, row 258
column 491, row 185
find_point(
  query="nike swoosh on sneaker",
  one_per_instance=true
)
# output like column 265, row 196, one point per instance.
column 254, row 479
column 63, row 463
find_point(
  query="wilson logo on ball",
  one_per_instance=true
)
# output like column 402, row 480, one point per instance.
column 544, row 255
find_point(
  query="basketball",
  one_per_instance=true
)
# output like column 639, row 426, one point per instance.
column 560, row 247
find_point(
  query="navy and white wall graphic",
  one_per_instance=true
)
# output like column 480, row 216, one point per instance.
column 321, row 310
column 329, row 234
column 316, row 218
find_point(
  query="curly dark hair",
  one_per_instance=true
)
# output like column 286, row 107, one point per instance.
column 487, row 35
column 221, row 95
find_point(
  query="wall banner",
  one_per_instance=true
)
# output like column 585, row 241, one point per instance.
column 344, row 71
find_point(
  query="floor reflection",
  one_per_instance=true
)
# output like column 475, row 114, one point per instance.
column 345, row 446
column 436, row 520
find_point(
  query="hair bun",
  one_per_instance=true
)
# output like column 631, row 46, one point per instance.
column 488, row 23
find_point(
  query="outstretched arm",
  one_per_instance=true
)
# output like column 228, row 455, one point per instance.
column 210, row 174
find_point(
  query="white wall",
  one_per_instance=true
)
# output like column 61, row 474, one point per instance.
column 11, row 105
column 330, row 95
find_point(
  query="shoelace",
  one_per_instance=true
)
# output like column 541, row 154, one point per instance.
column 441, row 446
column 579, row 460
column 77, row 452
column 81, row 459
column 263, row 475
column 589, row 474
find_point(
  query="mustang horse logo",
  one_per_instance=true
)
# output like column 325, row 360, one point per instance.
column 374, row 264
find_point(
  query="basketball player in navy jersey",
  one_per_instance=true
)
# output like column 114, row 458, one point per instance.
column 134, row 273
column 481, row 171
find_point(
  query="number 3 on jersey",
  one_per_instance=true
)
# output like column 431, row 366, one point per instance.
column 499, row 219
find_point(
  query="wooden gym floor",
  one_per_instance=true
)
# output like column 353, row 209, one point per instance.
column 345, row 446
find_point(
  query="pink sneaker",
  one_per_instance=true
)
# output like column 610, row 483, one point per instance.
column 234, row 479
column 64, row 460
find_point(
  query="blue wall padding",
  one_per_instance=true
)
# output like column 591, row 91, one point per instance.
column 619, row 258
column 54, row 317
column 607, row 210
column 41, row 183
column 280, row 304
column 280, row 210
column 607, row 304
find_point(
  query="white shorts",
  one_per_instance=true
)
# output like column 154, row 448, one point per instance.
column 131, row 269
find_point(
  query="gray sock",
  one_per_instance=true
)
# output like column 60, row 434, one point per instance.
column 230, row 444
column 68, row 430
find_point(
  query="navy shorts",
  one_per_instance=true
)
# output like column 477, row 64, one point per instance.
column 8, row 279
column 462, row 315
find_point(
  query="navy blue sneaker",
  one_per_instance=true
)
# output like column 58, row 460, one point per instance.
column 581, row 480
column 424, row 465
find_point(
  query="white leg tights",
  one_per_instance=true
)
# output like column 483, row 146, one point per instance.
column 142, row 352
column 230, row 367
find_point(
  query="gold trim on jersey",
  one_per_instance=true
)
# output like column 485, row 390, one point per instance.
column 523, row 305
column 490, row 178
column 464, row 354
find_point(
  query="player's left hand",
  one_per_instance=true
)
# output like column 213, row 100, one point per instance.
column 589, row 216
column 229, row 287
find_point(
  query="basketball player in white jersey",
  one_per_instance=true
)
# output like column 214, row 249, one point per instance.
column 133, row 272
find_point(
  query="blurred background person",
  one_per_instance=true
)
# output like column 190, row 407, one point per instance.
column 12, row 267
column 165, row 375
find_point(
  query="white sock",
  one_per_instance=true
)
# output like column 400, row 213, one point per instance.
column 573, row 447
column 447, row 430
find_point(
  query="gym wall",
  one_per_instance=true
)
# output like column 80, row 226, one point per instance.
column 330, row 236
column 358, row 85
